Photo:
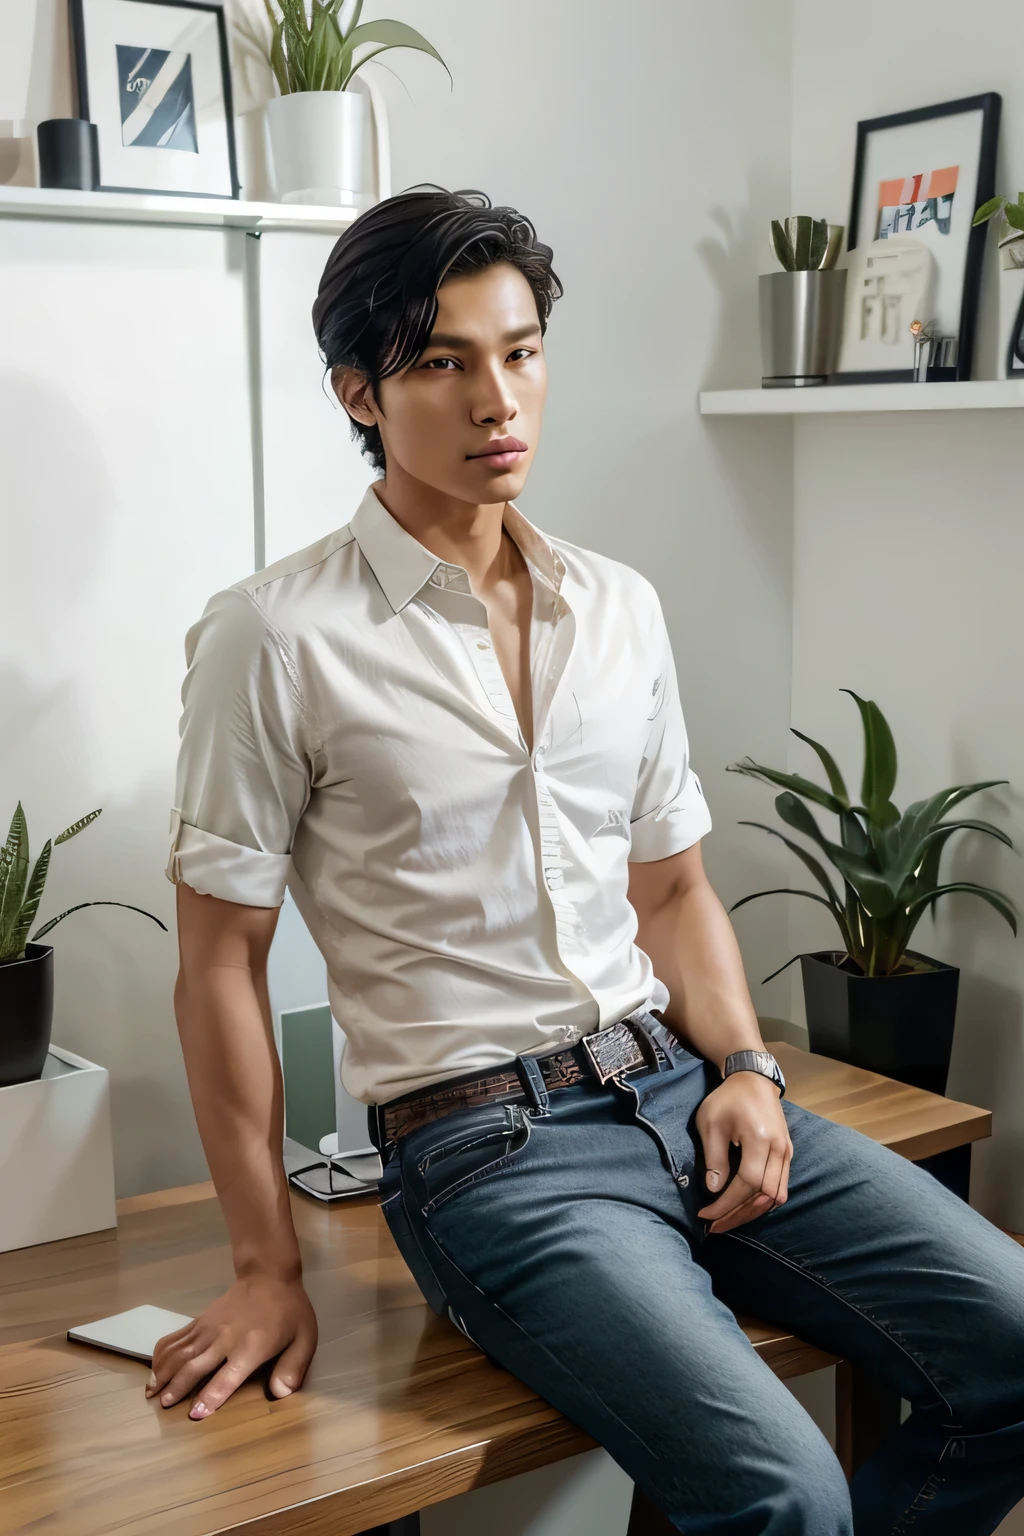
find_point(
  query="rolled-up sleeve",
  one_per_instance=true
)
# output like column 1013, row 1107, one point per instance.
column 669, row 810
column 243, row 775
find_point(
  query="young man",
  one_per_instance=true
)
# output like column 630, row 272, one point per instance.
column 459, row 743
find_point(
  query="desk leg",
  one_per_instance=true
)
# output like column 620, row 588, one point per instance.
column 866, row 1410
column 409, row 1525
column 952, row 1168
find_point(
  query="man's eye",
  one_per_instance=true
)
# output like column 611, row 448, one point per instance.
column 439, row 360
column 526, row 350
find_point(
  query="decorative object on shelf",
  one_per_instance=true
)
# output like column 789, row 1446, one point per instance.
column 154, row 77
column 876, row 1003
column 920, row 174
column 69, row 154
column 801, row 306
column 931, row 349
column 1011, row 281
column 318, row 142
column 26, row 966
column 889, row 283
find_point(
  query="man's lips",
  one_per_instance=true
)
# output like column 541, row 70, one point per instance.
column 502, row 452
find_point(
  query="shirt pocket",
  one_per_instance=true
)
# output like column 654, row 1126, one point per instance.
column 443, row 1158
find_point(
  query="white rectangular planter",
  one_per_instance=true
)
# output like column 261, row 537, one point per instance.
column 56, row 1154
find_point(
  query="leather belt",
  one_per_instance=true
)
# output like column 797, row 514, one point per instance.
column 604, row 1054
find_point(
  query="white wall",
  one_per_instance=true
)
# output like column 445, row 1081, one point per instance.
column 909, row 547
column 126, row 499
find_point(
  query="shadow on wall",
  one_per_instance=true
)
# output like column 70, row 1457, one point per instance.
column 734, row 356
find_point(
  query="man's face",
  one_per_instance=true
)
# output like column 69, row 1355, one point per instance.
column 482, row 377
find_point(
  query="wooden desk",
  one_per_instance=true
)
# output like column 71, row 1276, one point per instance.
column 398, row 1411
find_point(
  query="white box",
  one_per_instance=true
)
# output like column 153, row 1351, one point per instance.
column 56, row 1154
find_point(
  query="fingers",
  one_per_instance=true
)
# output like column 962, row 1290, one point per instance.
column 716, row 1156
column 289, row 1372
column 230, row 1376
column 187, row 1372
column 751, row 1194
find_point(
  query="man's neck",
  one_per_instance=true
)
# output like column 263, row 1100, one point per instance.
column 459, row 532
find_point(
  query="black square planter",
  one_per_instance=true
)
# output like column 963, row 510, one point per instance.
column 901, row 1026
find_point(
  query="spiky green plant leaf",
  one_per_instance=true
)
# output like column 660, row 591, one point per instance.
column 829, row 764
column 781, row 248
column 390, row 34
column 41, row 932
column 14, row 863
column 879, row 777
column 30, row 906
column 791, row 781
column 75, row 828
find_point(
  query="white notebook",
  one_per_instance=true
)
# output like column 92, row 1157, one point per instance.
column 134, row 1332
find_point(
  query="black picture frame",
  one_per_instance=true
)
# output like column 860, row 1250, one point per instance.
column 76, row 11
column 990, row 105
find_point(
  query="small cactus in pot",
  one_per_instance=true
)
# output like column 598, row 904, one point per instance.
column 803, row 244
column 801, row 306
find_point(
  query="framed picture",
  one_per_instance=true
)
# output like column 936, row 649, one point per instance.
column 154, row 77
column 918, row 178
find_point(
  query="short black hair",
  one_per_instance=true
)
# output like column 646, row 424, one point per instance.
column 377, row 300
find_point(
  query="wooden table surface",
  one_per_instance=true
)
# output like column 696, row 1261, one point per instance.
column 398, row 1410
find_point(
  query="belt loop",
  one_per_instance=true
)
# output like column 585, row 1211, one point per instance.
column 534, row 1086
column 375, row 1126
column 645, row 1040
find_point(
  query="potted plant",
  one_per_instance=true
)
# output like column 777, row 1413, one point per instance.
column 318, row 128
column 26, row 966
column 1011, row 283
column 875, row 1002
column 802, row 306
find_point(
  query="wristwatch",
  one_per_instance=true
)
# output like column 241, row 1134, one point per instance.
column 756, row 1061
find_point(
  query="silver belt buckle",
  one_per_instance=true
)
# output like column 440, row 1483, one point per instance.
column 613, row 1052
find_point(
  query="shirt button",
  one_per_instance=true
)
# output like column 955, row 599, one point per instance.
column 482, row 645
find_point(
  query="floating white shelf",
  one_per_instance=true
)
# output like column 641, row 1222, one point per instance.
column 147, row 208
column 826, row 399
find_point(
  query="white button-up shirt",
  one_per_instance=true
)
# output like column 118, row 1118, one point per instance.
column 348, row 735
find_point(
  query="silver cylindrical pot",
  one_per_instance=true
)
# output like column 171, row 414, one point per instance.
column 801, row 325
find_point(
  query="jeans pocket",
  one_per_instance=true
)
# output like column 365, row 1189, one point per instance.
column 441, row 1159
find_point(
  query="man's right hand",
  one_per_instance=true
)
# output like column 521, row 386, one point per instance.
column 260, row 1317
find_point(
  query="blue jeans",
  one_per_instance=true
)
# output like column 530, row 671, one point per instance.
column 567, row 1245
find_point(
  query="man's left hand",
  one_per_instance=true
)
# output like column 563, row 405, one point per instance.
column 746, row 1109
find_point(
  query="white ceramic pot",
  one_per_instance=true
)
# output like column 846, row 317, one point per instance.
column 326, row 147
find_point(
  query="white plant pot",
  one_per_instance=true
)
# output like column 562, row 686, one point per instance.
column 56, row 1154
column 322, row 148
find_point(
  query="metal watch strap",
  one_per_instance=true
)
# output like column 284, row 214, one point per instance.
column 756, row 1061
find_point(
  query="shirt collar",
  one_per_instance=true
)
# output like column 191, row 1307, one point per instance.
column 402, row 565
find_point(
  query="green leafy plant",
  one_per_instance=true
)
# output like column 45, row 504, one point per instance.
column 802, row 244
column 1012, row 231
column 21, row 892
column 315, row 46
column 888, row 861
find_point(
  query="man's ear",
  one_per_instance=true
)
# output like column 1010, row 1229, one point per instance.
column 355, row 392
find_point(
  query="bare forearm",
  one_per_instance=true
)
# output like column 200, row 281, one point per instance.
column 234, row 1076
column 694, row 952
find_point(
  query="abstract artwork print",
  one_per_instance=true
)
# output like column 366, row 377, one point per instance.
column 911, row 205
column 157, row 101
